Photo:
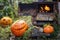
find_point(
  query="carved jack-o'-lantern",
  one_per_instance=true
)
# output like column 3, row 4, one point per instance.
column 18, row 28
column 5, row 21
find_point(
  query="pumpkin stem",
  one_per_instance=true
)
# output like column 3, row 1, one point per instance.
column 46, row 24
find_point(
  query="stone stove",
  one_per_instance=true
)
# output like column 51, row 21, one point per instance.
column 42, row 13
column 46, row 13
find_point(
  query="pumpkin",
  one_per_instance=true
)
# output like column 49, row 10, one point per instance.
column 6, row 21
column 48, row 29
column 19, row 27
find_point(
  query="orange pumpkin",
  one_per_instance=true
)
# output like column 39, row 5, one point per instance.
column 18, row 28
column 6, row 21
column 48, row 29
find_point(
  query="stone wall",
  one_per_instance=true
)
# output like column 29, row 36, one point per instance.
column 59, row 12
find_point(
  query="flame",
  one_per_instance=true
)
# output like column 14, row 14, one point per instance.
column 47, row 8
column 41, row 8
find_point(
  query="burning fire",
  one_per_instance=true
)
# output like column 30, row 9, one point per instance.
column 41, row 8
column 47, row 8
